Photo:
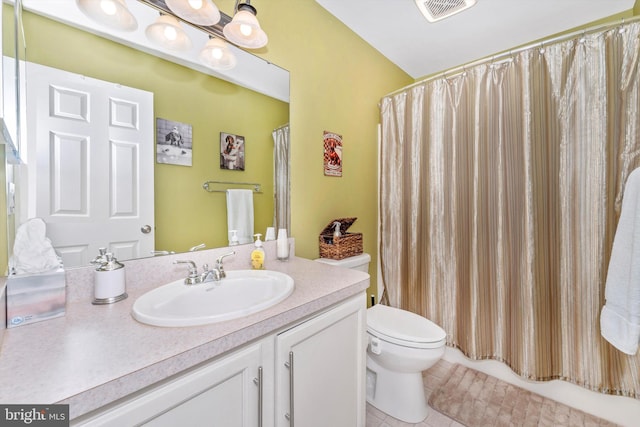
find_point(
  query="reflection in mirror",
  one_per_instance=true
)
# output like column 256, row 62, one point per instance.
column 10, row 119
column 185, row 215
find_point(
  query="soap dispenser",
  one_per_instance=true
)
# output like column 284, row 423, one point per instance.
column 257, row 255
column 336, row 230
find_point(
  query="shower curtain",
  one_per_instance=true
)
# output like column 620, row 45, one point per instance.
column 282, row 211
column 500, row 191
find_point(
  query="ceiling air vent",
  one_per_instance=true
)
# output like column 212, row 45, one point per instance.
column 435, row 10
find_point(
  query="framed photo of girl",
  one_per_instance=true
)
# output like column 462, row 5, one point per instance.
column 231, row 151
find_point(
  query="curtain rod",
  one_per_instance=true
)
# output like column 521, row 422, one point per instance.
column 506, row 55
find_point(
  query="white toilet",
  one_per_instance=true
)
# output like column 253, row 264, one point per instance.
column 401, row 345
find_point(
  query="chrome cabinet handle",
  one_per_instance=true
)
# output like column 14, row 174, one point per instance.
column 146, row 229
column 258, row 381
column 289, row 365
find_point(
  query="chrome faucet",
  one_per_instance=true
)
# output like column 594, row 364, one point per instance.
column 214, row 275
column 196, row 247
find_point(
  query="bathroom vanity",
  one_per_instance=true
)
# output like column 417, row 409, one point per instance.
column 300, row 362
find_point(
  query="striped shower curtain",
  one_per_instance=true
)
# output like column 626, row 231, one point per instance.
column 501, row 188
column 281, row 178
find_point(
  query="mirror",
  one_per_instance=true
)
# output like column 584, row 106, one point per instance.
column 239, row 102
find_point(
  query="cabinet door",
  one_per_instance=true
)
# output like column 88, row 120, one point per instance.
column 227, row 396
column 320, row 369
column 224, row 393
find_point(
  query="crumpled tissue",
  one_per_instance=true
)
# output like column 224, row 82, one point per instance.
column 32, row 250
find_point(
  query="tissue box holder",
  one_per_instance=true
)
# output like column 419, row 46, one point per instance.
column 35, row 297
column 345, row 246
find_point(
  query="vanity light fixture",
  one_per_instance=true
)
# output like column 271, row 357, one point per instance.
column 244, row 29
column 111, row 13
column 167, row 32
column 217, row 55
column 200, row 12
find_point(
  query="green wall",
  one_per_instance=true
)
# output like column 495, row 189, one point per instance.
column 186, row 215
column 337, row 81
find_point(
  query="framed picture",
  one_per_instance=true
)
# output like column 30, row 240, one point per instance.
column 332, row 153
column 174, row 143
column 231, row 151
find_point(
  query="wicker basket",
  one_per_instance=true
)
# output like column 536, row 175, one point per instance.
column 347, row 245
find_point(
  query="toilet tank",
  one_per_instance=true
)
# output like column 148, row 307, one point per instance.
column 358, row 262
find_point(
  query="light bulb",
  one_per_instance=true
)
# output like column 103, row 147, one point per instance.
column 195, row 4
column 246, row 30
column 108, row 7
column 216, row 53
column 170, row 33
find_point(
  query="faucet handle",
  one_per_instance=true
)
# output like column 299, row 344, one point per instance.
column 193, row 277
column 221, row 257
column 219, row 265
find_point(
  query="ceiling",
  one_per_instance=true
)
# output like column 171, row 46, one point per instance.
column 397, row 29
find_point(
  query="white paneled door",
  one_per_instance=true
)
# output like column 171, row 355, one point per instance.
column 90, row 163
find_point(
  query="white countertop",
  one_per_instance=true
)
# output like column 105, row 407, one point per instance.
column 97, row 354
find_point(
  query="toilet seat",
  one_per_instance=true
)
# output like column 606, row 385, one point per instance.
column 403, row 328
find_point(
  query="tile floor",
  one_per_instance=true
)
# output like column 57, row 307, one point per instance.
column 432, row 377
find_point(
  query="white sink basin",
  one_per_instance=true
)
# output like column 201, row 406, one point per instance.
column 239, row 294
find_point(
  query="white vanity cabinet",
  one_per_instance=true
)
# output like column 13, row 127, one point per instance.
column 253, row 385
column 320, row 367
column 226, row 392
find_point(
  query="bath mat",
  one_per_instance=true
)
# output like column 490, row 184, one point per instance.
column 479, row 400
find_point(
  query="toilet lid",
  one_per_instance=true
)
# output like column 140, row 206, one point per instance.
column 402, row 325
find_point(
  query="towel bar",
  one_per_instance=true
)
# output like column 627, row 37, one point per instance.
column 257, row 188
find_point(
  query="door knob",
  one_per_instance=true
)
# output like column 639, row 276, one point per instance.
column 146, row 229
